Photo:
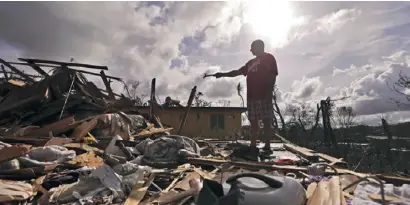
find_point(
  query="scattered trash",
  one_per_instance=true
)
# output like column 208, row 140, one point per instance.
column 64, row 140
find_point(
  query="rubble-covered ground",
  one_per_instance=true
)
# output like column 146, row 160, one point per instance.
column 63, row 140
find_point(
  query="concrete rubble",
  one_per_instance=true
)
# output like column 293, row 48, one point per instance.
column 63, row 140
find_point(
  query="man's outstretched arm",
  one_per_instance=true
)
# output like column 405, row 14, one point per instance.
column 230, row 74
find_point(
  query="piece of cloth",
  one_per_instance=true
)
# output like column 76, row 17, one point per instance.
column 56, row 181
column 285, row 162
column 120, row 124
column 260, row 72
column 260, row 109
column 167, row 149
column 365, row 188
column 318, row 179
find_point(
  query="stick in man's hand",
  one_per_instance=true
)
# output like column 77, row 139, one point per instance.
column 208, row 75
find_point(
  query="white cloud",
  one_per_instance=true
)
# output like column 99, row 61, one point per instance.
column 334, row 21
column 306, row 87
column 370, row 92
column 333, row 48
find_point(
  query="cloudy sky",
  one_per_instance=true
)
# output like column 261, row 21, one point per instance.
column 322, row 48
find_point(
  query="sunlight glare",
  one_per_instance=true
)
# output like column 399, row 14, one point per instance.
column 270, row 19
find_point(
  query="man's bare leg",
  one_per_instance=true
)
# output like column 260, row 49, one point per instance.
column 267, row 132
column 254, row 132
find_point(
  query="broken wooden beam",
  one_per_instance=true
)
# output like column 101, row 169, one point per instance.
column 54, row 66
column 13, row 152
column 14, row 69
column 96, row 74
column 396, row 181
column 312, row 155
column 107, row 85
column 188, row 108
column 22, row 103
column 4, row 73
column 29, row 75
column 81, row 131
column 37, row 68
column 64, row 63
column 118, row 95
column 56, row 127
column 303, row 152
column 138, row 191
column 152, row 101
column 261, row 165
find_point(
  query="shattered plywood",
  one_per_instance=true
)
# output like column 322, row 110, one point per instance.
column 56, row 127
column 13, row 152
column 138, row 191
column 81, row 131
column 153, row 131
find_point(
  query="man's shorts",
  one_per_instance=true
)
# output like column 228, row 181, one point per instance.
column 260, row 110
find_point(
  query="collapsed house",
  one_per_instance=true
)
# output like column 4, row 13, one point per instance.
column 63, row 140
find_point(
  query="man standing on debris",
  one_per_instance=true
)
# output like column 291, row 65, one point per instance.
column 261, row 73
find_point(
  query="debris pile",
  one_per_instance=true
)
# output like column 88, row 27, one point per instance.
column 65, row 141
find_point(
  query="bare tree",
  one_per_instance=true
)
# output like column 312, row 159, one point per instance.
column 278, row 111
column 306, row 117
column 224, row 103
column 239, row 88
column 131, row 88
column 401, row 86
column 344, row 117
column 198, row 102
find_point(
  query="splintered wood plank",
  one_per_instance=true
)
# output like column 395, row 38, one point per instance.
column 261, row 165
column 107, row 85
column 9, row 153
column 4, row 73
column 81, row 131
column 335, row 194
column 37, row 68
column 184, row 183
column 138, row 191
column 305, row 153
column 311, row 189
column 152, row 131
column 56, row 127
column 16, row 82
column 58, row 141
column 205, row 175
column 14, row 69
column 320, row 195
column 63, row 63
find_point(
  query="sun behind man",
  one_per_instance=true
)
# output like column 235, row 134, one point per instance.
column 261, row 73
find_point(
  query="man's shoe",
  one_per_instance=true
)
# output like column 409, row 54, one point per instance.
column 252, row 154
column 247, row 153
column 266, row 151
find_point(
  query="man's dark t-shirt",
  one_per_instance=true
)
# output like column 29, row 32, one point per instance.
column 259, row 72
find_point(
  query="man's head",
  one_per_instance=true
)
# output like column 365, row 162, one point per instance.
column 257, row 47
column 168, row 100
